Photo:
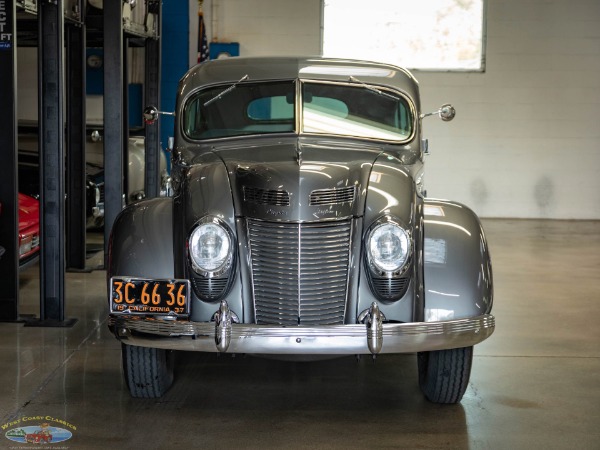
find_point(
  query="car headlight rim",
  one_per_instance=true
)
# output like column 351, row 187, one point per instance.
column 388, row 248
column 210, row 247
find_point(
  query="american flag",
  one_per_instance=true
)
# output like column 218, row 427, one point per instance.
column 203, row 53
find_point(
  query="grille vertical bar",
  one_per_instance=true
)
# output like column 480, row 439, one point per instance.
column 299, row 271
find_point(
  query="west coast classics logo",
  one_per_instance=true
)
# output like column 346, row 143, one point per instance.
column 38, row 430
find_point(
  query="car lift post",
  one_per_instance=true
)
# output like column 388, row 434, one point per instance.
column 52, row 164
column 152, row 97
column 76, row 113
column 113, row 109
column 9, row 261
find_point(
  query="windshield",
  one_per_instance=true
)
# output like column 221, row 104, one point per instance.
column 353, row 110
column 356, row 110
column 250, row 108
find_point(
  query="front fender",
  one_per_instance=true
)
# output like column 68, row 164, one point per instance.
column 392, row 192
column 457, row 265
column 141, row 243
column 205, row 191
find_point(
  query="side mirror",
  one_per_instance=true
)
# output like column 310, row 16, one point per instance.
column 95, row 136
column 151, row 114
column 446, row 113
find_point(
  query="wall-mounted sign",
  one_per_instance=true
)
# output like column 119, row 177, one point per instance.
column 220, row 50
column 6, row 29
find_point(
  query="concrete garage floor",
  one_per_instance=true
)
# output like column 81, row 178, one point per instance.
column 535, row 382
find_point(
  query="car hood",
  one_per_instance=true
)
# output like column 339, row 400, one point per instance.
column 29, row 211
column 299, row 181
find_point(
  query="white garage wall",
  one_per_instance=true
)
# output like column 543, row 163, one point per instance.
column 266, row 27
column 526, row 139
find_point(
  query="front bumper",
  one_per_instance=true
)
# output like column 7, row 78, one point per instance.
column 374, row 337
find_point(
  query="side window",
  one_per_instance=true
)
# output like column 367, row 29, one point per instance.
column 192, row 118
column 403, row 118
column 271, row 108
column 330, row 106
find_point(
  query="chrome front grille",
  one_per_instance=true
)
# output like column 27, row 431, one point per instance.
column 390, row 288
column 210, row 288
column 299, row 271
column 101, row 188
column 332, row 196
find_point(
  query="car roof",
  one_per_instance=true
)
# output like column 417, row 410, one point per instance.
column 230, row 70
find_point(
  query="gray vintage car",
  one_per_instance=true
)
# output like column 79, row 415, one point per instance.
column 299, row 228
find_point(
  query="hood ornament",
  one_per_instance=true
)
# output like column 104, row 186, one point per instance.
column 299, row 155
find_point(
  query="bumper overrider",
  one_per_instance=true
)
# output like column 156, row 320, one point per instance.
column 371, row 336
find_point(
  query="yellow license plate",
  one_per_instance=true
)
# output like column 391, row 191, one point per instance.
column 144, row 296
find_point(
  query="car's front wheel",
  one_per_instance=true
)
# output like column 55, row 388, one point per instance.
column 148, row 371
column 444, row 374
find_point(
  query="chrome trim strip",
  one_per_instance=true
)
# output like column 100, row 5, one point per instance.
column 325, row 340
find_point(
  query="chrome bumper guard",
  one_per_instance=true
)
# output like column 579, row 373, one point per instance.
column 372, row 337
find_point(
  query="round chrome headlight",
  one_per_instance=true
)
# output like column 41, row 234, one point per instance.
column 388, row 247
column 210, row 248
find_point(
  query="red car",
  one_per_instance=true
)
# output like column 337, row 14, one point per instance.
column 29, row 229
column 38, row 437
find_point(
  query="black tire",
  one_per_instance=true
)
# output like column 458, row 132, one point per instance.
column 148, row 371
column 444, row 374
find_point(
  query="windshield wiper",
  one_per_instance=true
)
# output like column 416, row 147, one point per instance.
column 226, row 91
column 372, row 88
